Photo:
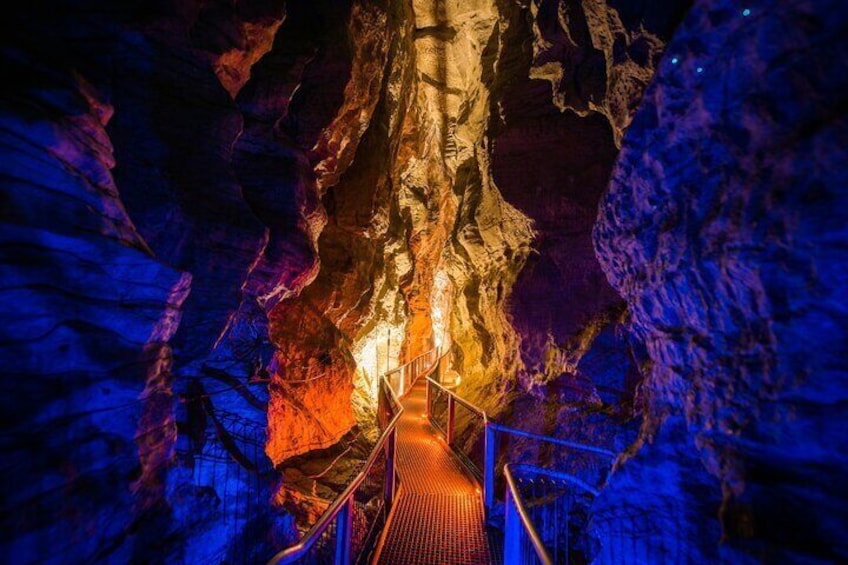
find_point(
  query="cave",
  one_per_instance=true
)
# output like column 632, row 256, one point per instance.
column 266, row 260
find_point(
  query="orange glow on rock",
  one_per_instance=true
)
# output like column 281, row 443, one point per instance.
column 311, row 386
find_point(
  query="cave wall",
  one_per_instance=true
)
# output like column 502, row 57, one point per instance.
column 479, row 241
column 230, row 172
column 525, row 143
column 159, row 200
column 221, row 221
column 87, row 316
column 266, row 192
column 565, row 84
column 723, row 229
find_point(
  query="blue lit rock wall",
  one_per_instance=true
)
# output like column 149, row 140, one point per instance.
column 567, row 82
column 144, row 234
column 724, row 228
column 87, row 316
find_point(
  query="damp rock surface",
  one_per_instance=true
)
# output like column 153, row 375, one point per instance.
column 718, row 229
column 221, row 222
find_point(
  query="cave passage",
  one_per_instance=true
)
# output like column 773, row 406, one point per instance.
column 438, row 516
column 444, row 281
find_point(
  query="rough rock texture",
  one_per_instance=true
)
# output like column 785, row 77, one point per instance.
column 331, row 337
column 723, row 229
column 144, row 240
column 485, row 240
column 87, row 316
column 222, row 221
column 599, row 55
column 553, row 146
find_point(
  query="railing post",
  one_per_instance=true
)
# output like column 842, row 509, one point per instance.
column 512, row 531
column 402, row 381
column 489, row 469
column 451, row 412
column 381, row 406
column 389, row 489
column 344, row 526
column 427, row 409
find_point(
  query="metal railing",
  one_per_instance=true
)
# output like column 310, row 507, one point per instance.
column 347, row 531
column 546, row 513
column 476, row 439
column 478, row 442
column 629, row 535
column 462, row 425
column 402, row 378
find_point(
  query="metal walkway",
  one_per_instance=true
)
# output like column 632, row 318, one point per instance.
column 438, row 517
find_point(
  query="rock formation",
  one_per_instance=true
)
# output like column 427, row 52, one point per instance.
column 223, row 220
column 717, row 230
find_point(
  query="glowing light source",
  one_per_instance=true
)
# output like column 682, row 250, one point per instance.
column 375, row 353
column 440, row 308
column 699, row 70
column 451, row 379
column 746, row 12
column 674, row 60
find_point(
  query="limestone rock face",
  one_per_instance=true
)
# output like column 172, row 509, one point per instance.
column 222, row 221
column 355, row 280
column 145, row 242
column 236, row 35
column 599, row 56
column 88, row 313
column 719, row 230
column 553, row 147
column 468, row 243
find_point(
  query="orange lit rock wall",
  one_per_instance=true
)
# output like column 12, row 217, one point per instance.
column 437, row 162
column 313, row 331
column 375, row 233
column 487, row 239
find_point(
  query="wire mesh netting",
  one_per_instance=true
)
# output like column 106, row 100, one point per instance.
column 559, row 512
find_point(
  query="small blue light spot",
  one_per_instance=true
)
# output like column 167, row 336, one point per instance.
column 674, row 60
column 699, row 70
column 746, row 12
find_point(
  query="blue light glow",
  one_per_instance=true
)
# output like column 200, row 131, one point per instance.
column 699, row 70
column 674, row 60
column 746, row 12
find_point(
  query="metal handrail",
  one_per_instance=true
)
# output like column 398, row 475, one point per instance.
column 343, row 501
column 298, row 550
column 410, row 362
column 550, row 439
column 512, row 534
column 564, row 477
column 423, row 364
column 487, row 474
column 518, row 524
column 517, row 432
column 462, row 401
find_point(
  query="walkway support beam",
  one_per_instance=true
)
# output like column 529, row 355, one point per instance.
column 512, row 531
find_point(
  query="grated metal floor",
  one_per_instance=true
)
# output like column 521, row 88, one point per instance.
column 438, row 517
